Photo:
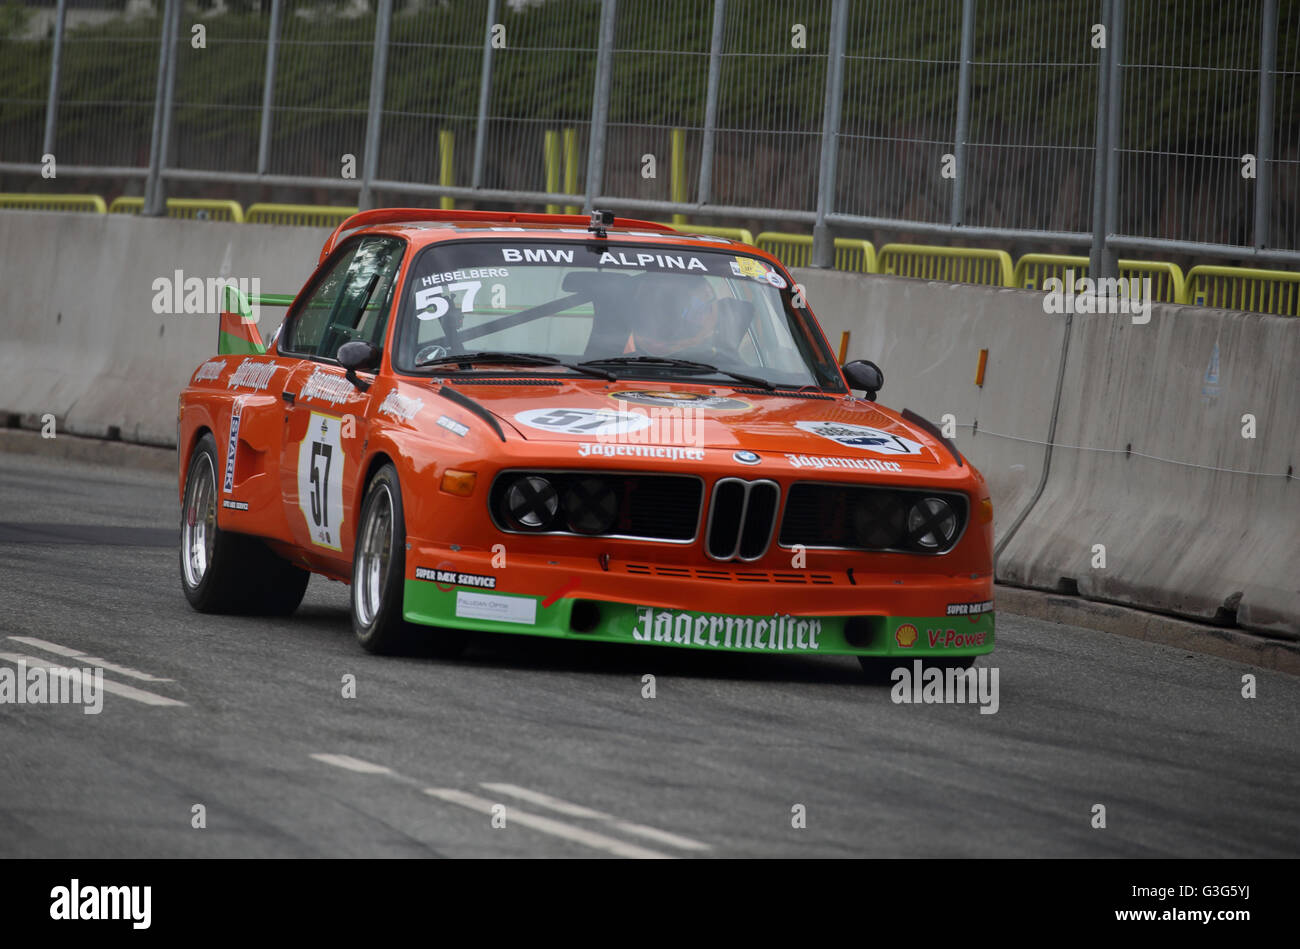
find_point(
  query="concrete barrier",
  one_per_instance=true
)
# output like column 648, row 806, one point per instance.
column 81, row 340
column 926, row 337
column 1149, row 463
column 1195, row 519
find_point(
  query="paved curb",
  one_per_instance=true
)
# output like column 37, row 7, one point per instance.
column 94, row 451
column 1235, row 644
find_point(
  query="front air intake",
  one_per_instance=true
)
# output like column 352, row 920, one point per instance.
column 742, row 519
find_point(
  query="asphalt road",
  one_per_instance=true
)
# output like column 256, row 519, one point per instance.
column 259, row 733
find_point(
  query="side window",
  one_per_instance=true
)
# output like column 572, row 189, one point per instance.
column 350, row 302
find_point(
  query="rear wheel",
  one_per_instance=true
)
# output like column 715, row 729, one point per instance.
column 379, row 578
column 223, row 572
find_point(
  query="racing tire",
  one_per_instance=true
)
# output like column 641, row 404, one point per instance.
column 225, row 572
column 379, row 578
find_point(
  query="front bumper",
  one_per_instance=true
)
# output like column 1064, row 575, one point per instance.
column 810, row 613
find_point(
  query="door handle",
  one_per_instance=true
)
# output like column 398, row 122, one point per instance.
column 288, row 396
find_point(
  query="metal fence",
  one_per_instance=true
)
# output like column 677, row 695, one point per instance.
column 1102, row 126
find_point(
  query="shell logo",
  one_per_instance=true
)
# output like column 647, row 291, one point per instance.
column 906, row 636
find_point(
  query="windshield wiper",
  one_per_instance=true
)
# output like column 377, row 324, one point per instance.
column 504, row 358
column 670, row 362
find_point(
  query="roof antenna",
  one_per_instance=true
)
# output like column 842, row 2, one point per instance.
column 599, row 221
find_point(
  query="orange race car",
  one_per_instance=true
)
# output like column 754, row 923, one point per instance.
column 600, row 430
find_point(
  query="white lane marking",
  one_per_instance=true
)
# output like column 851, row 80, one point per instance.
column 116, row 688
column 577, row 810
column 85, row 659
column 547, row 825
column 353, row 764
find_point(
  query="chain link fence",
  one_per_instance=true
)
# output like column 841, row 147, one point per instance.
column 1120, row 126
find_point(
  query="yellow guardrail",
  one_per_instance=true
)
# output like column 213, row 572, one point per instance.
column 191, row 209
column 953, row 264
column 1168, row 285
column 742, row 234
column 1243, row 288
column 297, row 215
column 795, row 250
column 53, row 202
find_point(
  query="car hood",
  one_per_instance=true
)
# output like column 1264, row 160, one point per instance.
column 704, row 416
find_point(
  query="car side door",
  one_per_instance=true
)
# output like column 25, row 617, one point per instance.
column 326, row 416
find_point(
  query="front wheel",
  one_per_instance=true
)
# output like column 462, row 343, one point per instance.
column 379, row 575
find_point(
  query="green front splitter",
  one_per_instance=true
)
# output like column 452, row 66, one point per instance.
column 577, row 618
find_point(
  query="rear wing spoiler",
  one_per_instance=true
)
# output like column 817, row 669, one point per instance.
column 237, row 333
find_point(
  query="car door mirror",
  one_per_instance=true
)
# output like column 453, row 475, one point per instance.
column 866, row 375
column 358, row 354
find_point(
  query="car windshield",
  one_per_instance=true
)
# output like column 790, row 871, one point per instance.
column 706, row 313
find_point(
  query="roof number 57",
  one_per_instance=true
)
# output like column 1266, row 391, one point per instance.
column 430, row 303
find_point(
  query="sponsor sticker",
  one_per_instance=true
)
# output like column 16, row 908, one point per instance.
column 232, row 448
column 905, row 636
column 234, row 505
column 951, row 639
column 666, row 452
column 860, row 436
column 970, row 609
column 780, row 633
column 252, row 374
column 583, row 421
column 446, row 579
column 669, row 399
column 210, row 370
column 400, row 406
column 327, row 387
column 824, row 461
column 749, row 267
column 471, row 604
column 451, row 425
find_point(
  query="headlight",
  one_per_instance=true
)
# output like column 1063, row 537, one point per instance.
column 931, row 524
column 531, row 503
column 878, row 519
column 591, row 506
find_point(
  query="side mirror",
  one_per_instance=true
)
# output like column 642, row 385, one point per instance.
column 866, row 375
column 358, row 354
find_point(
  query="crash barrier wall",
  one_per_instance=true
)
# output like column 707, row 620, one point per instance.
column 1149, row 461
column 81, row 340
column 1175, row 485
column 1239, row 288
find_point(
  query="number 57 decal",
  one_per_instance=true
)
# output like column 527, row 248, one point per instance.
column 430, row 304
column 320, row 480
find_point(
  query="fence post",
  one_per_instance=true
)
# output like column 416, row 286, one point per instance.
column 1264, row 147
column 268, row 90
column 155, row 197
column 711, row 101
column 1095, row 261
column 484, row 95
column 56, row 64
column 823, row 252
column 1114, row 132
column 963, row 111
column 600, row 103
column 378, row 74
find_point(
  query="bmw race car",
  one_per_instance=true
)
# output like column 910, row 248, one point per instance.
column 602, row 430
